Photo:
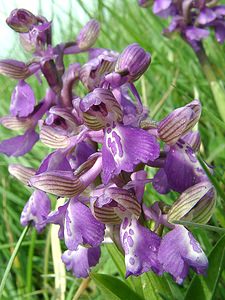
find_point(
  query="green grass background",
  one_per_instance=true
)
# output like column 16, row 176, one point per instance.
column 173, row 79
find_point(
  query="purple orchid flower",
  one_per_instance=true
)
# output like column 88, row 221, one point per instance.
column 102, row 141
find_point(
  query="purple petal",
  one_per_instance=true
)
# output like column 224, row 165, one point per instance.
column 81, row 227
column 182, row 167
column 22, row 100
column 206, row 15
column 125, row 147
column 140, row 246
column 81, row 260
column 24, row 143
column 58, row 217
column 162, row 8
column 196, row 34
column 160, row 182
column 179, row 251
column 36, row 210
column 88, row 34
column 54, row 161
column 220, row 31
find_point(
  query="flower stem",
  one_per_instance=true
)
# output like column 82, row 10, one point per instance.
column 13, row 256
column 216, row 86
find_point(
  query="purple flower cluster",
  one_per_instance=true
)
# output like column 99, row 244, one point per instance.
column 104, row 142
column 192, row 18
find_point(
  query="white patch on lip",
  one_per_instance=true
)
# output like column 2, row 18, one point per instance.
column 117, row 157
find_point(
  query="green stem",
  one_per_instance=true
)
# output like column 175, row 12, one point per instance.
column 13, row 256
column 215, row 85
column 30, row 261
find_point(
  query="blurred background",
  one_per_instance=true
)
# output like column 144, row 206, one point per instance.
column 173, row 79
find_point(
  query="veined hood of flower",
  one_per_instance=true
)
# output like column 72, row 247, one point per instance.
column 100, row 108
column 111, row 205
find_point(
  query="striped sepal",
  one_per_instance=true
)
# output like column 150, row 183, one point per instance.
column 14, row 123
column 21, row 173
column 189, row 200
column 59, row 183
column 172, row 127
column 106, row 215
column 53, row 138
column 14, row 69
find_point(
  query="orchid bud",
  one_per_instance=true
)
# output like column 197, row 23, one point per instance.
column 133, row 62
column 88, row 35
column 21, row 20
column 194, row 204
column 100, row 108
column 179, row 122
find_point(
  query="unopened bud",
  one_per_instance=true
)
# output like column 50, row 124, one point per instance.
column 179, row 122
column 21, row 20
column 133, row 62
column 88, row 35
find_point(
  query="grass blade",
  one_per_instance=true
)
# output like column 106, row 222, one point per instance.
column 13, row 256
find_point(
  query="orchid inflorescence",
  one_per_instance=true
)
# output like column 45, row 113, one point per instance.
column 191, row 18
column 105, row 143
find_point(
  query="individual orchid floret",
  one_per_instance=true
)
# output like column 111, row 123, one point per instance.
column 194, row 204
column 141, row 248
column 100, row 108
column 81, row 260
column 92, row 74
column 36, row 210
column 88, row 35
column 22, row 100
column 179, row 251
column 179, row 122
column 21, row 20
column 133, row 62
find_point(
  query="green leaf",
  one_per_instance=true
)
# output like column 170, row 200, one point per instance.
column 156, row 287
column 204, row 287
column 134, row 282
column 113, row 288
